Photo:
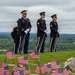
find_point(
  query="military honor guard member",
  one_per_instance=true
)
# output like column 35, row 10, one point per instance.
column 24, row 25
column 16, row 37
column 41, row 31
column 54, row 33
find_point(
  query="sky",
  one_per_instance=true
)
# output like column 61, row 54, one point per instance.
column 65, row 10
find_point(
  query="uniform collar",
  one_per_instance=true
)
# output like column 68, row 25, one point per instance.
column 24, row 18
column 42, row 19
column 54, row 21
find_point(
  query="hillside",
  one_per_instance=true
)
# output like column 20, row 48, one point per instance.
column 44, row 59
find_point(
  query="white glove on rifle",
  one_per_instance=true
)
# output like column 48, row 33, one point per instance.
column 58, row 30
column 45, row 31
column 26, row 31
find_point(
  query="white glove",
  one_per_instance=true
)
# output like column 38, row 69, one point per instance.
column 45, row 31
column 58, row 30
column 26, row 31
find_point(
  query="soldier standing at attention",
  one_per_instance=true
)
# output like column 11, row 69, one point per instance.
column 15, row 36
column 24, row 25
column 41, row 31
column 54, row 33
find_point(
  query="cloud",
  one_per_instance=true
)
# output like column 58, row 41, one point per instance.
column 34, row 2
column 10, row 12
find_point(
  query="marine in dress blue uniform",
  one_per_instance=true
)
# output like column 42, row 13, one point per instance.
column 54, row 33
column 24, row 25
column 41, row 31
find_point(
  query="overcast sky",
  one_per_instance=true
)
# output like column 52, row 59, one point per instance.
column 65, row 9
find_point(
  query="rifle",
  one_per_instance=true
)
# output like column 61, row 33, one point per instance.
column 49, row 45
column 55, row 41
column 22, row 44
column 14, row 47
column 40, row 44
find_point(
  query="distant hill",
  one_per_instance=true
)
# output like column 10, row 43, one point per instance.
column 5, row 34
column 8, row 34
column 66, row 42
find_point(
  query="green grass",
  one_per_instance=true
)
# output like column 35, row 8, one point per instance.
column 44, row 58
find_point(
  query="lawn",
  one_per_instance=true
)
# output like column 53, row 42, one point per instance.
column 44, row 59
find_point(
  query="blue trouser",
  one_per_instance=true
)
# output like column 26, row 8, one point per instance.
column 42, row 45
column 25, row 49
column 53, row 44
column 16, row 47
